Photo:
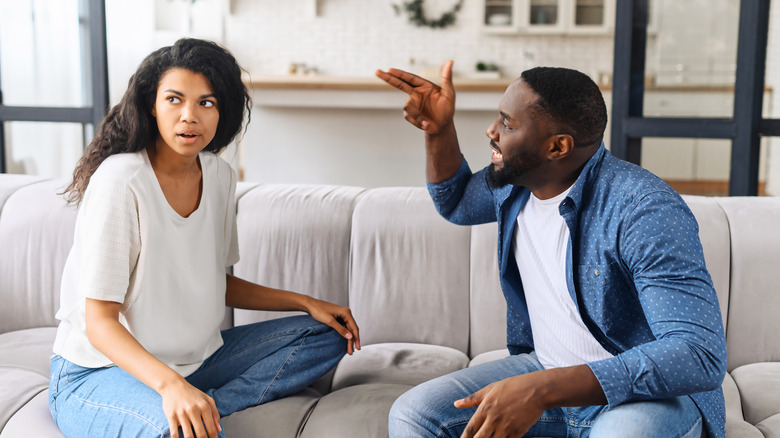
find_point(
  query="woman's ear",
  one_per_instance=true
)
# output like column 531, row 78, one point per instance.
column 561, row 146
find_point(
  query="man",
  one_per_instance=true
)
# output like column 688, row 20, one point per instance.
column 613, row 325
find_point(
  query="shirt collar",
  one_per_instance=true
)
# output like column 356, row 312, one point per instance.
column 587, row 176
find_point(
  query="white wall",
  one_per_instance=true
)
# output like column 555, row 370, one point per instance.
column 348, row 38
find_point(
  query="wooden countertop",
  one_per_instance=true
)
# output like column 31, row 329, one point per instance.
column 326, row 82
column 323, row 82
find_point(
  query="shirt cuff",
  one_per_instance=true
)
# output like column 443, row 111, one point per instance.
column 446, row 186
column 614, row 378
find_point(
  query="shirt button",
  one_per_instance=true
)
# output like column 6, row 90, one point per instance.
column 596, row 272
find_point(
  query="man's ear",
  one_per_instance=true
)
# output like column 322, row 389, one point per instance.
column 561, row 146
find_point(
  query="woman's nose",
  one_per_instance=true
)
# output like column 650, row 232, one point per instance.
column 188, row 114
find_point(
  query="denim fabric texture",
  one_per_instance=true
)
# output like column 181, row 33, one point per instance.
column 427, row 410
column 258, row 363
column 635, row 270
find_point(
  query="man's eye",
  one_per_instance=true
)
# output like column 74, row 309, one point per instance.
column 505, row 125
column 173, row 99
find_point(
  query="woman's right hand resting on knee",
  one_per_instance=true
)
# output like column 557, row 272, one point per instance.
column 184, row 405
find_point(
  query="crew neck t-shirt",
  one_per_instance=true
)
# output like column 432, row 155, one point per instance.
column 167, row 271
column 541, row 241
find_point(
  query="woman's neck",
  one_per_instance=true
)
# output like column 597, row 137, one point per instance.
column 167, row 162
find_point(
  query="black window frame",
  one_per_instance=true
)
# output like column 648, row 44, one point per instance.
column 746, row 126
column 94, row 22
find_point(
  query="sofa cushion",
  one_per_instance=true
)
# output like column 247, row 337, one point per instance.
column 489, row 356
column 409, row 280
column 408, row 364
column 295, row 237
column 33, row 420
column 759, row 388
column 11, row 183
column 753, row 325
column 356, row 411
column 279, row 418
column 487, row 325
column 36, row 234
column 28, row 349
column 17, row 387
column 716, row 243
column 770, row 427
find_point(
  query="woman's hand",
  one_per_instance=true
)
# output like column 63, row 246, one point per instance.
column 187, row 407
column 339, row 318
column 429, row 107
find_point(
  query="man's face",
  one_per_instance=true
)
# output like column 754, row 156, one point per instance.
column 517, row 138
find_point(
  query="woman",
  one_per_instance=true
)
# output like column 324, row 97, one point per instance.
column 138, row 349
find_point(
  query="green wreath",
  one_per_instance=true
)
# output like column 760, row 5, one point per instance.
column 414, row 9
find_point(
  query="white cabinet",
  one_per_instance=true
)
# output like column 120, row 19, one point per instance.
column 549, row 16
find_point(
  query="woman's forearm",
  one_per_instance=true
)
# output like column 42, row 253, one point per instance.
column 243, row 294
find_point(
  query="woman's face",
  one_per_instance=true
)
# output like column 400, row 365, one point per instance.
column 186, row 111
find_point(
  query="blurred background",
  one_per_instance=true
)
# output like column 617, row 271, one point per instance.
column 319, row 114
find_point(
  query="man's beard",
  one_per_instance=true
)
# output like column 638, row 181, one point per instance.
column 510, row 173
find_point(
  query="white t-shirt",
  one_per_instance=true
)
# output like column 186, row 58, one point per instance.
column 167, row 271
column 540, row 244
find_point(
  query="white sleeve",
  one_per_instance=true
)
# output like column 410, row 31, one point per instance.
column 110, row 240
column 231, row 232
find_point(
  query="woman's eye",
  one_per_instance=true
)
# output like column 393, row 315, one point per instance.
column 173, row 99
column 207, row 103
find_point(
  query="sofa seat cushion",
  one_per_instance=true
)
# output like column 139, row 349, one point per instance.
column 397, row 363
column 29, row 349
column 770, row 427
column 356, row 411
column 33, row 420
column 488, row 356
column 279, row 418
column 17, row 387
column 759, row 389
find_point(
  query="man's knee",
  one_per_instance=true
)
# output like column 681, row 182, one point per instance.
column 677, row 417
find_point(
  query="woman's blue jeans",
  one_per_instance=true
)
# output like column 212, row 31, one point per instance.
column 258, row 363
column 427, row 410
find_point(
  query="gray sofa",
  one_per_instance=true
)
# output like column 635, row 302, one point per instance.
column 424, row 291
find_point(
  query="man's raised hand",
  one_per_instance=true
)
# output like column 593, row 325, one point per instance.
column 429, row 107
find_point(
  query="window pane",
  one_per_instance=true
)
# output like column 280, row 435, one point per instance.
column 772, row 101
column 695, row 60
column 41, row 53
column 544, row 12
column 589, row 12
column 690, row 165
column 45, row 149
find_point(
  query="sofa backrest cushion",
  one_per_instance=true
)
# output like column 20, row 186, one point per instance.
column 716, row 241
column 753, row 332
column 488, row 305
column 36, row 234
column 409, row 279
column 295, row 237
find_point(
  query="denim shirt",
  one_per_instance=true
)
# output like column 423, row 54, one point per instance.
column 635, row 271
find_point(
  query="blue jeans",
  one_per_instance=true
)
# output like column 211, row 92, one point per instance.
column 427, row 410
column 258, row 363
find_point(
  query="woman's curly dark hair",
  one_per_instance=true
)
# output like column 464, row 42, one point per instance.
column 130, row 127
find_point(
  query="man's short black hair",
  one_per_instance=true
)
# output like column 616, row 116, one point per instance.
column 571, row 100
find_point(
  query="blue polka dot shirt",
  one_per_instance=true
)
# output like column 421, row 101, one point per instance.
column 635, row 270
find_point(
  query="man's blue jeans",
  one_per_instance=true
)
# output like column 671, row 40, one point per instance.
column 427, row 410
column 258, row 363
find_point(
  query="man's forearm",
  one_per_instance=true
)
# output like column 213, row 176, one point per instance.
column 570, row 386
column 442, row 154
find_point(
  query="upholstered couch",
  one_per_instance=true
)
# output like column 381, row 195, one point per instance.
column 424, row 291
